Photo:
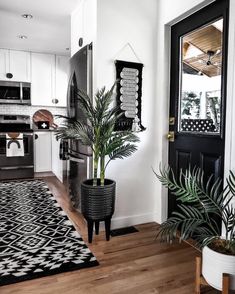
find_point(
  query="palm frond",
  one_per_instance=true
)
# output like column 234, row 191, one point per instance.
column 77, row 130
column 96, row 128
column 192, row 187
column 200, row 200
column 120, row 145
column 124, row 151
column 231, row 182
column 184, row 190
column 183, row 222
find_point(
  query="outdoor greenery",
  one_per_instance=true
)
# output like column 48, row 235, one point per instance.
column 98, row 131
column 199, row 201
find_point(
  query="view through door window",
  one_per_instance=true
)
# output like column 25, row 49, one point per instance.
column 200, row 94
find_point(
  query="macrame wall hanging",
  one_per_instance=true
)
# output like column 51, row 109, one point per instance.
column 129, row 94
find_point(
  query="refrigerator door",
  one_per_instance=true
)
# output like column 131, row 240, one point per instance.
column 80, row 78
column 78, row 165
column 79, row 168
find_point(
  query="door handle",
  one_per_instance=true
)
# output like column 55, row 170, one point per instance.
column 16, row 167
column 171, row 136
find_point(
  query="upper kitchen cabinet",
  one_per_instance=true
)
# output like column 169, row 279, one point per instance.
column 4, row 63
column 61, row 83
column 14, row 65
column 49, row 79
column 43, row 79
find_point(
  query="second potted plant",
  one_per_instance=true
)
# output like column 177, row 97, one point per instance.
column 98, row 132
column 199, row 201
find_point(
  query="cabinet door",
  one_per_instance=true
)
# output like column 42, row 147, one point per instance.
column 19, row 63
column 42, row 151
column 57, row 164
column 4, row 64
column 61, row 82
column 43, row 77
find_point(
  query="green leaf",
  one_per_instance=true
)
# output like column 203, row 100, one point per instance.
column 199, row 201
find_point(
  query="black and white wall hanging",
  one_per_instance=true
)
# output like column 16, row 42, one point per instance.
column 129, row 94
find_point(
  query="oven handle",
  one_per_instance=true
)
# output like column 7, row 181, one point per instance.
column 28, row 134
column 16, row 167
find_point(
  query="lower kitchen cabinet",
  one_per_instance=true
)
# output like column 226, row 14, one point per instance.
column 46, row 154
column 57, row 164
column 42, row 151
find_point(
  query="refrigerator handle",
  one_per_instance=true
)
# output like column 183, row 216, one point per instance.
column 78, row 160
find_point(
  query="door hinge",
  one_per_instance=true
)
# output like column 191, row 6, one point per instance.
column 172, row 121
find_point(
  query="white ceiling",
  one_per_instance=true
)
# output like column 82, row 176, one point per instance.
column 47, row 31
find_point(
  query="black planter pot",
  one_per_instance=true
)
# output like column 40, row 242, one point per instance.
column 97, row 204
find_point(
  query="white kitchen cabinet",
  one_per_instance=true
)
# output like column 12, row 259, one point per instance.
column 43, row 79
column 42, row 151
column 61, row 82
column 15, row 62
column 19, row 64
column 49, row 79
column 57, row 164
column 4, row 63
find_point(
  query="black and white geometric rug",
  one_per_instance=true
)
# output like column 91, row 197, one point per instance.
column 36, row 237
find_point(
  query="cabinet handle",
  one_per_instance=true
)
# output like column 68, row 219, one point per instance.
column 55, row 101
column 36, row 136
column 9, row 75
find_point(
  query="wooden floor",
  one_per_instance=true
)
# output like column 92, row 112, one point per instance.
column 130, row 264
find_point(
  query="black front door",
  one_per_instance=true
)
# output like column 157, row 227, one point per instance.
column 198, row 92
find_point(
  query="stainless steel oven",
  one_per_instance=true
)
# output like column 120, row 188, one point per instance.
column 15, row 167
column 15, row 93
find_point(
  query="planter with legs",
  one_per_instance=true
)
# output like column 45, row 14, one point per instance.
column 97, row 203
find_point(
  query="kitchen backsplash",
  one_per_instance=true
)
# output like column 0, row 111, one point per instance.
column 30, row 110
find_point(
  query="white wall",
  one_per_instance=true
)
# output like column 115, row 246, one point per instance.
column 120, row 22
column 174, row 11
column 117, row 23
column 146, row 26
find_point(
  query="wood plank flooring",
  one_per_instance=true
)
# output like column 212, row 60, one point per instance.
column 130, row 264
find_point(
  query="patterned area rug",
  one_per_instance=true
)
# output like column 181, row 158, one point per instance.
column 36, row 237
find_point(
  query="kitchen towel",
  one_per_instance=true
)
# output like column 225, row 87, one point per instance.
column 14, row 144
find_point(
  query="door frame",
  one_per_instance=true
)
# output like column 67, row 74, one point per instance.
column 230, row 91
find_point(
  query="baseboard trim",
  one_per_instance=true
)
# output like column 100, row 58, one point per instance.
column 121, row 222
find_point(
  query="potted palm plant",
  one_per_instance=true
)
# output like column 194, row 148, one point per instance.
column 199, row 201
column 98, row 132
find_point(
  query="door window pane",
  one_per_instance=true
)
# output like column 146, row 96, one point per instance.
column 200, row 91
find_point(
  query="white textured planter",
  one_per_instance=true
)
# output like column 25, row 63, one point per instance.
column 214, row 264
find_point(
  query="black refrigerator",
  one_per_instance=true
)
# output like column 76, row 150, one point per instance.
column 78, row 163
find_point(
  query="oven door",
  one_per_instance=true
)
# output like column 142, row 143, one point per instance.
column 27, row 159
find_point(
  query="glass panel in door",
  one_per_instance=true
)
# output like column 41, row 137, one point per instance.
column 200, row 89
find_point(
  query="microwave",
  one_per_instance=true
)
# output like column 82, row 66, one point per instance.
column 15, row 93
